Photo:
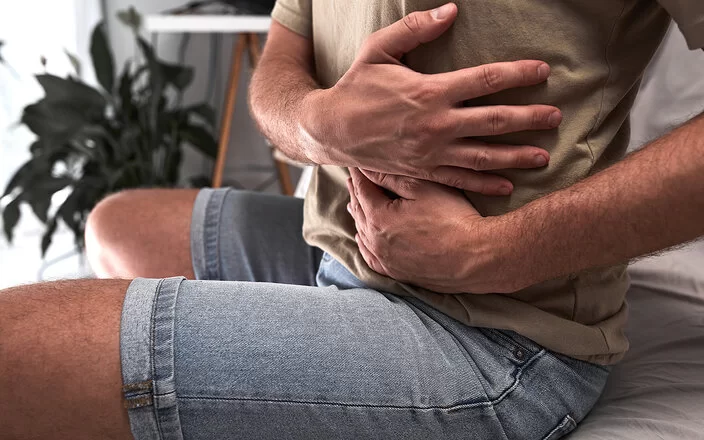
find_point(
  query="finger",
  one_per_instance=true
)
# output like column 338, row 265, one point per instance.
column 474, row 181
column 354, row 208
column 371, row 259
column 481, row 156
column 369, row 196
column 485, row 80
column 408, row 188
column 501, row 119
column 408, row 33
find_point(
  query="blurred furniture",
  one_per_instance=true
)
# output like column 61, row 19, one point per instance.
column 247, row 28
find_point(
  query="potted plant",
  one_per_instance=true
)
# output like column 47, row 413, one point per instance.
column 128, row 133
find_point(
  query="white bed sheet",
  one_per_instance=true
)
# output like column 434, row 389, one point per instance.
column 657, row 391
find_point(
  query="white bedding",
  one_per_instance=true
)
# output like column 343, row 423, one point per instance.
column 657, row 391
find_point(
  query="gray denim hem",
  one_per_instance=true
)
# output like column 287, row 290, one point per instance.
column 204, row 233
column 147, row 357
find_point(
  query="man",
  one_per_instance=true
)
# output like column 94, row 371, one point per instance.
column 212, row 360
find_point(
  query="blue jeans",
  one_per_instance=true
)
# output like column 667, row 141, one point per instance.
column 283, row 346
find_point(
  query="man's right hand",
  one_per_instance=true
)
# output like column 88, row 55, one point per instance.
column 383, row 116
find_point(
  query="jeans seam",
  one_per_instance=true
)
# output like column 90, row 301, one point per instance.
column 452, row 407
column 456, row 406
column 506, row 341
column 152, row 332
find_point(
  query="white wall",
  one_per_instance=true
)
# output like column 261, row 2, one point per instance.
column 60, row 26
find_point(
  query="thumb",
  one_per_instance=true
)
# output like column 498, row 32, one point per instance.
column 408, row 33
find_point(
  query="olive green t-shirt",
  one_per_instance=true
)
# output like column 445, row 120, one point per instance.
column 598, row 50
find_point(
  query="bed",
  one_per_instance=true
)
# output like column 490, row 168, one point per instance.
column 657, row 391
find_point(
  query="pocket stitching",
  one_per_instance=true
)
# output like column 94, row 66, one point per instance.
column 567, row 425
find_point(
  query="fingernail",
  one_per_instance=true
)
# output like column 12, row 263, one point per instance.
column 543, row 71
column 442, row 12
column 505, row 190
column 555, row 119
column 540, row 160
column 349, row 208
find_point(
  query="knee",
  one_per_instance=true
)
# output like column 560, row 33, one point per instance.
column 107, row 230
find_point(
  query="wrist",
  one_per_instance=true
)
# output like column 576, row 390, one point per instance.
column 496, row 260
column 313, row 131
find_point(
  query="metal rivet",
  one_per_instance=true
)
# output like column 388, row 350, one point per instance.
column 519, row 353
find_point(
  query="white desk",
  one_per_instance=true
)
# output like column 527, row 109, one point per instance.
column 207, row 24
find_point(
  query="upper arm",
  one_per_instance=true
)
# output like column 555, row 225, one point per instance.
column 290, row 33
column 689, row 16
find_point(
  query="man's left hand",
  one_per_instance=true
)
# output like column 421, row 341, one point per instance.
column 431, row 236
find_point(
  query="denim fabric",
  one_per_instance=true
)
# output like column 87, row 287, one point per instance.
column 266, row 360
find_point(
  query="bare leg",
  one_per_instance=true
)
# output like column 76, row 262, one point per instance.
column 142, row 233
column 60, row 363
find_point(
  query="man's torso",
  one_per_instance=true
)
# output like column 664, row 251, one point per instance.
column 597, row 51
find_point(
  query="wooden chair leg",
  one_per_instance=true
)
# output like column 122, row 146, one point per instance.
column 229, row 109
column 285, row 182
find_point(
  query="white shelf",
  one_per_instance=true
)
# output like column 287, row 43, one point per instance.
column 206, row 23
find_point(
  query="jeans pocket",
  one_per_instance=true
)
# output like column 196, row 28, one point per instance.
column 566, row 426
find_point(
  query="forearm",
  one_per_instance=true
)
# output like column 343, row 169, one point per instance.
column 280, row 84
column 652, row 200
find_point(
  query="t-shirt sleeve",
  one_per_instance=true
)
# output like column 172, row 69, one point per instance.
column 689, row 16
column 296, row 15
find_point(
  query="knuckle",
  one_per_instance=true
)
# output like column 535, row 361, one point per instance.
column 496, row 120
column 538, row 118
column 493, row 78
column 412, row 22
column 425, row 92
column 526, row 72
column 371, row 44
column 455, row 182
column 482, row 160
column 409, row 185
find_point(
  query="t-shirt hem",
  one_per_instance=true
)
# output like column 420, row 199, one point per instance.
column 292, row 20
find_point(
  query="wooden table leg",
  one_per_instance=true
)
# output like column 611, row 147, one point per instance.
column 229, row 109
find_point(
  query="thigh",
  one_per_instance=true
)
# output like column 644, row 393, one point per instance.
column 60, row 363
column 205, row 360
column 269, row 361
column 247, row 236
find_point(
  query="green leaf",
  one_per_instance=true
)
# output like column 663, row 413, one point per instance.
column 71, row 210
column 48, row 235
column 39, row 194
column 72, row 93
column 205, row 111
column 10, row 218
column 53, row 123
column 103, row 61
column 178, row 76
column 124, row 91
column 131, row 18
column 20, row 177
column 75, row 62
column 201, row 139
column 156, row 89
